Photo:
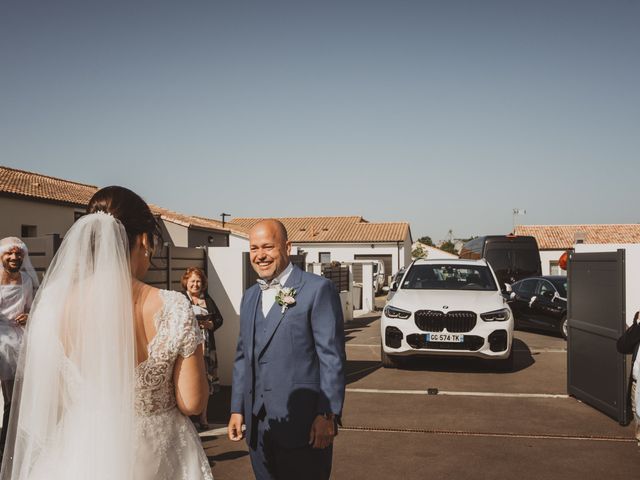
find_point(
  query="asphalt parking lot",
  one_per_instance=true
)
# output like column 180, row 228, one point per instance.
column 462, row 419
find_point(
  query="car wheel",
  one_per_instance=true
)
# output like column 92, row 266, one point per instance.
column 389, row 361
column 564, row 327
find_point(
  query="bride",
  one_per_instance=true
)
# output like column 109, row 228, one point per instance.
column 110, row 367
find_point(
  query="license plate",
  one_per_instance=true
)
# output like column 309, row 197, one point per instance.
column 445, row 337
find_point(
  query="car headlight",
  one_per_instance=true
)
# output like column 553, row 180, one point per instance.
column 496, row 315
column 393, row 312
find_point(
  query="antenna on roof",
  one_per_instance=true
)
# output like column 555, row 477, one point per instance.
column 223, row 215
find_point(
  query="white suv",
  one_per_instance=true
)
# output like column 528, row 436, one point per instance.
column 447, row 307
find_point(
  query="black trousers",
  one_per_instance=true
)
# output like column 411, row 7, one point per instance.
column 7, row 393
column 271, row 461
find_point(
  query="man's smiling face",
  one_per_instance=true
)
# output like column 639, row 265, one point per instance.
column 12, row 260
column 269, row 249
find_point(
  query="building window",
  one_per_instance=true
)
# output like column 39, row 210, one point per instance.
column 29, row 231
column 324, row 257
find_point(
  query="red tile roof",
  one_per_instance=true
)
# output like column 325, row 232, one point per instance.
column 562, row 237
column 43, row 187
column 352, row 229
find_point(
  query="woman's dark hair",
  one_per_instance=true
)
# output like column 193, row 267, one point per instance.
column 130, row 209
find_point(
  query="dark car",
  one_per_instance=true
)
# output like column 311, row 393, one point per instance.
column 541, row 303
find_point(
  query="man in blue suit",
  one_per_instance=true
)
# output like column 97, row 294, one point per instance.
column 288, row 376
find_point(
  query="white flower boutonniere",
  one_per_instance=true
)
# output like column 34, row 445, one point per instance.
column 286, row 298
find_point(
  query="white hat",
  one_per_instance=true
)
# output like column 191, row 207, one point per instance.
column 9, row 243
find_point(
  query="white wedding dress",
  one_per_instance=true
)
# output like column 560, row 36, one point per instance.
column 82, row 407
column 168, row 446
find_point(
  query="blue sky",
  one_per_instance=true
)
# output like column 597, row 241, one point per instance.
column 445, row 114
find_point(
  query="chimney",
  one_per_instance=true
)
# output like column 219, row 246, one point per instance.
column 579, row 237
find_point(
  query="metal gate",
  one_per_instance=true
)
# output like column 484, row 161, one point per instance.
column 596, row 373
column 169, row 264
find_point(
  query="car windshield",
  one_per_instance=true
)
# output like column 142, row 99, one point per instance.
column 561, row 286
column 449, row 277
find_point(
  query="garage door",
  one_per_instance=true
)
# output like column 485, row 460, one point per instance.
column 357, row 269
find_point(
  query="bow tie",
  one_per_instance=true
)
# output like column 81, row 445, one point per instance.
column 264, row 285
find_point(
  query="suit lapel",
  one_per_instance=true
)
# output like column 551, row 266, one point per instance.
column 253, row 309
column 275, row 316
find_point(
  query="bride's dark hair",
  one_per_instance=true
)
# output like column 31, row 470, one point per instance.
column 132, row 211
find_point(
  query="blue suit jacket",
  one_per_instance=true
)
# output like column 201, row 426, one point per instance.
column 302, row 359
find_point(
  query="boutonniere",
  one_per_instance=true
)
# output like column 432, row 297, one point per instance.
column 286, row 298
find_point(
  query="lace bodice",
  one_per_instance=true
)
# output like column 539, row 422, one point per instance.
column 177, row 334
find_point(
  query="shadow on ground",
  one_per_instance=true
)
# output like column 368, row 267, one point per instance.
column 522, row 359
column 358, row 369
column 358, row 324
column 222, row 457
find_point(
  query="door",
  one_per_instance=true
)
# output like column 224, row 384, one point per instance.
column 596, row 372
column 546, row 310
column 521, row 304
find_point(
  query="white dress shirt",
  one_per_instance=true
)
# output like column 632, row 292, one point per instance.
column 269, row 295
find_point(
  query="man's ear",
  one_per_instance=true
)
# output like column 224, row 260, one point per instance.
column 288, row 247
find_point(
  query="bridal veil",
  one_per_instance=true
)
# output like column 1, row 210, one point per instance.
column 73, row 407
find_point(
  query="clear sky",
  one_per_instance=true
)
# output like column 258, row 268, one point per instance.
column 446, row 114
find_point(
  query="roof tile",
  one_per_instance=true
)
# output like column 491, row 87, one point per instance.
column 562, row 237
column 351, row 229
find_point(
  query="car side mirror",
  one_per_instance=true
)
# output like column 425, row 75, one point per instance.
column 394, row 286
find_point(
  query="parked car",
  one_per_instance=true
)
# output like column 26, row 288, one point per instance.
column 397, row 278
column 378, row 276
column 541, row 303
column 512, row 257
column 447, row 308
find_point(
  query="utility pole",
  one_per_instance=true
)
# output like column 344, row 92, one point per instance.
column 516, row 212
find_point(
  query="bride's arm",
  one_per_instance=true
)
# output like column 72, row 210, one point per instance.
column 192, row 389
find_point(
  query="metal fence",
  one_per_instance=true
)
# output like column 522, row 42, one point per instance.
column 167, row 266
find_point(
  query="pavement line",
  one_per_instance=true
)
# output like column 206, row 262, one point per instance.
column 535, row 350
column 543, row 436
column 460, row 394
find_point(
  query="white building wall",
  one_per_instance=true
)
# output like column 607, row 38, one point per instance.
column 437, row 254
column 47, row 217
column 546, row 259
column 226, row 288
column 179, row 234
column 345, row 252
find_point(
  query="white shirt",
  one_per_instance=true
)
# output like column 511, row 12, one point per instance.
column 269, row 295
column 15, row 299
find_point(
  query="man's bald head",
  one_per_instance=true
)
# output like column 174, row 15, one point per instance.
column 272, row 223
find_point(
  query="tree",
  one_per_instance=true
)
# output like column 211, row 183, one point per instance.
column 418, row 252
column 427, row 241
column 448, row 246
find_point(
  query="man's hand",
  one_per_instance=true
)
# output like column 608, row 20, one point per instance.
column 22, row 318
column 235, row 427
column 322, row 432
